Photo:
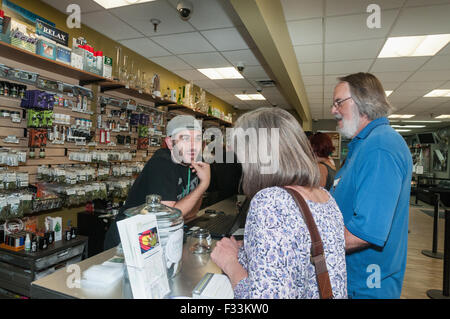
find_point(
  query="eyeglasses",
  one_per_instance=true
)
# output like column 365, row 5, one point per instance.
column 337, row 104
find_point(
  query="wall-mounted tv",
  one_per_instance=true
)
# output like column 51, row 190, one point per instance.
column 426, row 138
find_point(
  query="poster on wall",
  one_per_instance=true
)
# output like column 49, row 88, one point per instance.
column 336, row 140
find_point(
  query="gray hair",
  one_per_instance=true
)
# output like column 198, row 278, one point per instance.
column 297, row 165
column 368, row 94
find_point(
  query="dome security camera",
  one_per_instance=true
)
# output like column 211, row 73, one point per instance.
column 185, row 9
column 240, row 66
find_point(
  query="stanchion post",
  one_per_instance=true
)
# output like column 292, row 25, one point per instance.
column 445, row 292
column 434, row 253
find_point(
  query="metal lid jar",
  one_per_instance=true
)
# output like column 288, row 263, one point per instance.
column 170, row 227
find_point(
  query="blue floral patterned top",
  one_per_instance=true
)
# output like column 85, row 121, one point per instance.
column 277, row 246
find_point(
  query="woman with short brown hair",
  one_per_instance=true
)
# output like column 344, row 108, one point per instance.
column 323, row 147
column 274, row 259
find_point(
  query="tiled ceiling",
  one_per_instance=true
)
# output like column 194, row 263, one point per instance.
column 331, row 39
column 209, row 39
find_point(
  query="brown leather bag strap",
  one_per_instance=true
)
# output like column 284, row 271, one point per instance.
column 317, row 252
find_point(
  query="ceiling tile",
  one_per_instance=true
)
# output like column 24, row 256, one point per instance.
column 309, row 53
column 314, row 88
column 392, row 76
column 411, row 3
column 312, row 80
column 398, row 64
column 191, row 75
column 108, row 25
column 363, row 49
column 255, row 72
column 439, row 62
column 305, row 31
column 330, row 81
column 208, row 14
column 205, row 60
column 301, row 9
column 419, row 76
column 145, row 47
column 445, row 50
column 347, row 67
column 216, row 91
column 139, row 16
column 234, row 83
column 171, row 63
column 314, row 95
column 311, row 68
column 85, row 5
column 225, row 39
column 354, row 27
column 346, row 7
column 191, row 42
column 428, row 86
column 206, row 84
column 237, row 56
column 422, row 20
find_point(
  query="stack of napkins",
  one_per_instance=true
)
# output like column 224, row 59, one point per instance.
column 213, row 286
column 102, row 279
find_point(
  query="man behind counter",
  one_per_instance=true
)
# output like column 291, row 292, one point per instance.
column 174, row 173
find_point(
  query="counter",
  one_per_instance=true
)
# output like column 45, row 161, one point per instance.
column 194, row 267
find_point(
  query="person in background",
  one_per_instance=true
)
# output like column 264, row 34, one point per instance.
column 274, row 259
column 323, row 147
column 175, row 173
column 372, row 188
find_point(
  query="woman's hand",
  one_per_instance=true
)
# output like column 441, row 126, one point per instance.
column 225, row 256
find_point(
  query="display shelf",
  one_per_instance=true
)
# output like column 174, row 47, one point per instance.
column 188, row 110
column 20, row 55
column 23, row 56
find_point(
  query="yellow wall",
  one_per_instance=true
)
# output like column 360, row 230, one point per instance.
column 108, row 46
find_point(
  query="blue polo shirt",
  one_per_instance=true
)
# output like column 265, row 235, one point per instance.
column 372, row 190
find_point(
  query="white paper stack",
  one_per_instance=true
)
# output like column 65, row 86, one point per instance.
column 213, row 286
column 144, row 257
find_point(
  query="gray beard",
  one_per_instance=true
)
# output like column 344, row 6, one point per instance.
column 350, row 127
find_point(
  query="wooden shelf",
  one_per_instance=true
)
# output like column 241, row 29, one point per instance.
column 206, row 117
column 23, row 56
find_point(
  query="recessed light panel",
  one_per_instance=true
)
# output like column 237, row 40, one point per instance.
column 426, row 45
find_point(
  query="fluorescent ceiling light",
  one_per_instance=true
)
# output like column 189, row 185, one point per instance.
column 403, row 130
column 388, row 92
column 438, row 93
column 443, row 116
column 409, row 126
column 425, row 45
column 221, row 73
column 109, row 4
column 401, row 116
column 250, row 97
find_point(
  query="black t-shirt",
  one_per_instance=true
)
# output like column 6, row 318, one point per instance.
column 160, row 176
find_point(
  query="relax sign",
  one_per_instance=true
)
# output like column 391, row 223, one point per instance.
column 52, row 33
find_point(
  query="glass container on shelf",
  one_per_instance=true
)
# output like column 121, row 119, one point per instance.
column 124, row 71
column 170, row 227
column 117, row 66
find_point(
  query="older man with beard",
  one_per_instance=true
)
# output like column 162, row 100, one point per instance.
column 372, row 189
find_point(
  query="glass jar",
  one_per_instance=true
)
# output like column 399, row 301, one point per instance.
column 200, row 242
column 170, row 227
